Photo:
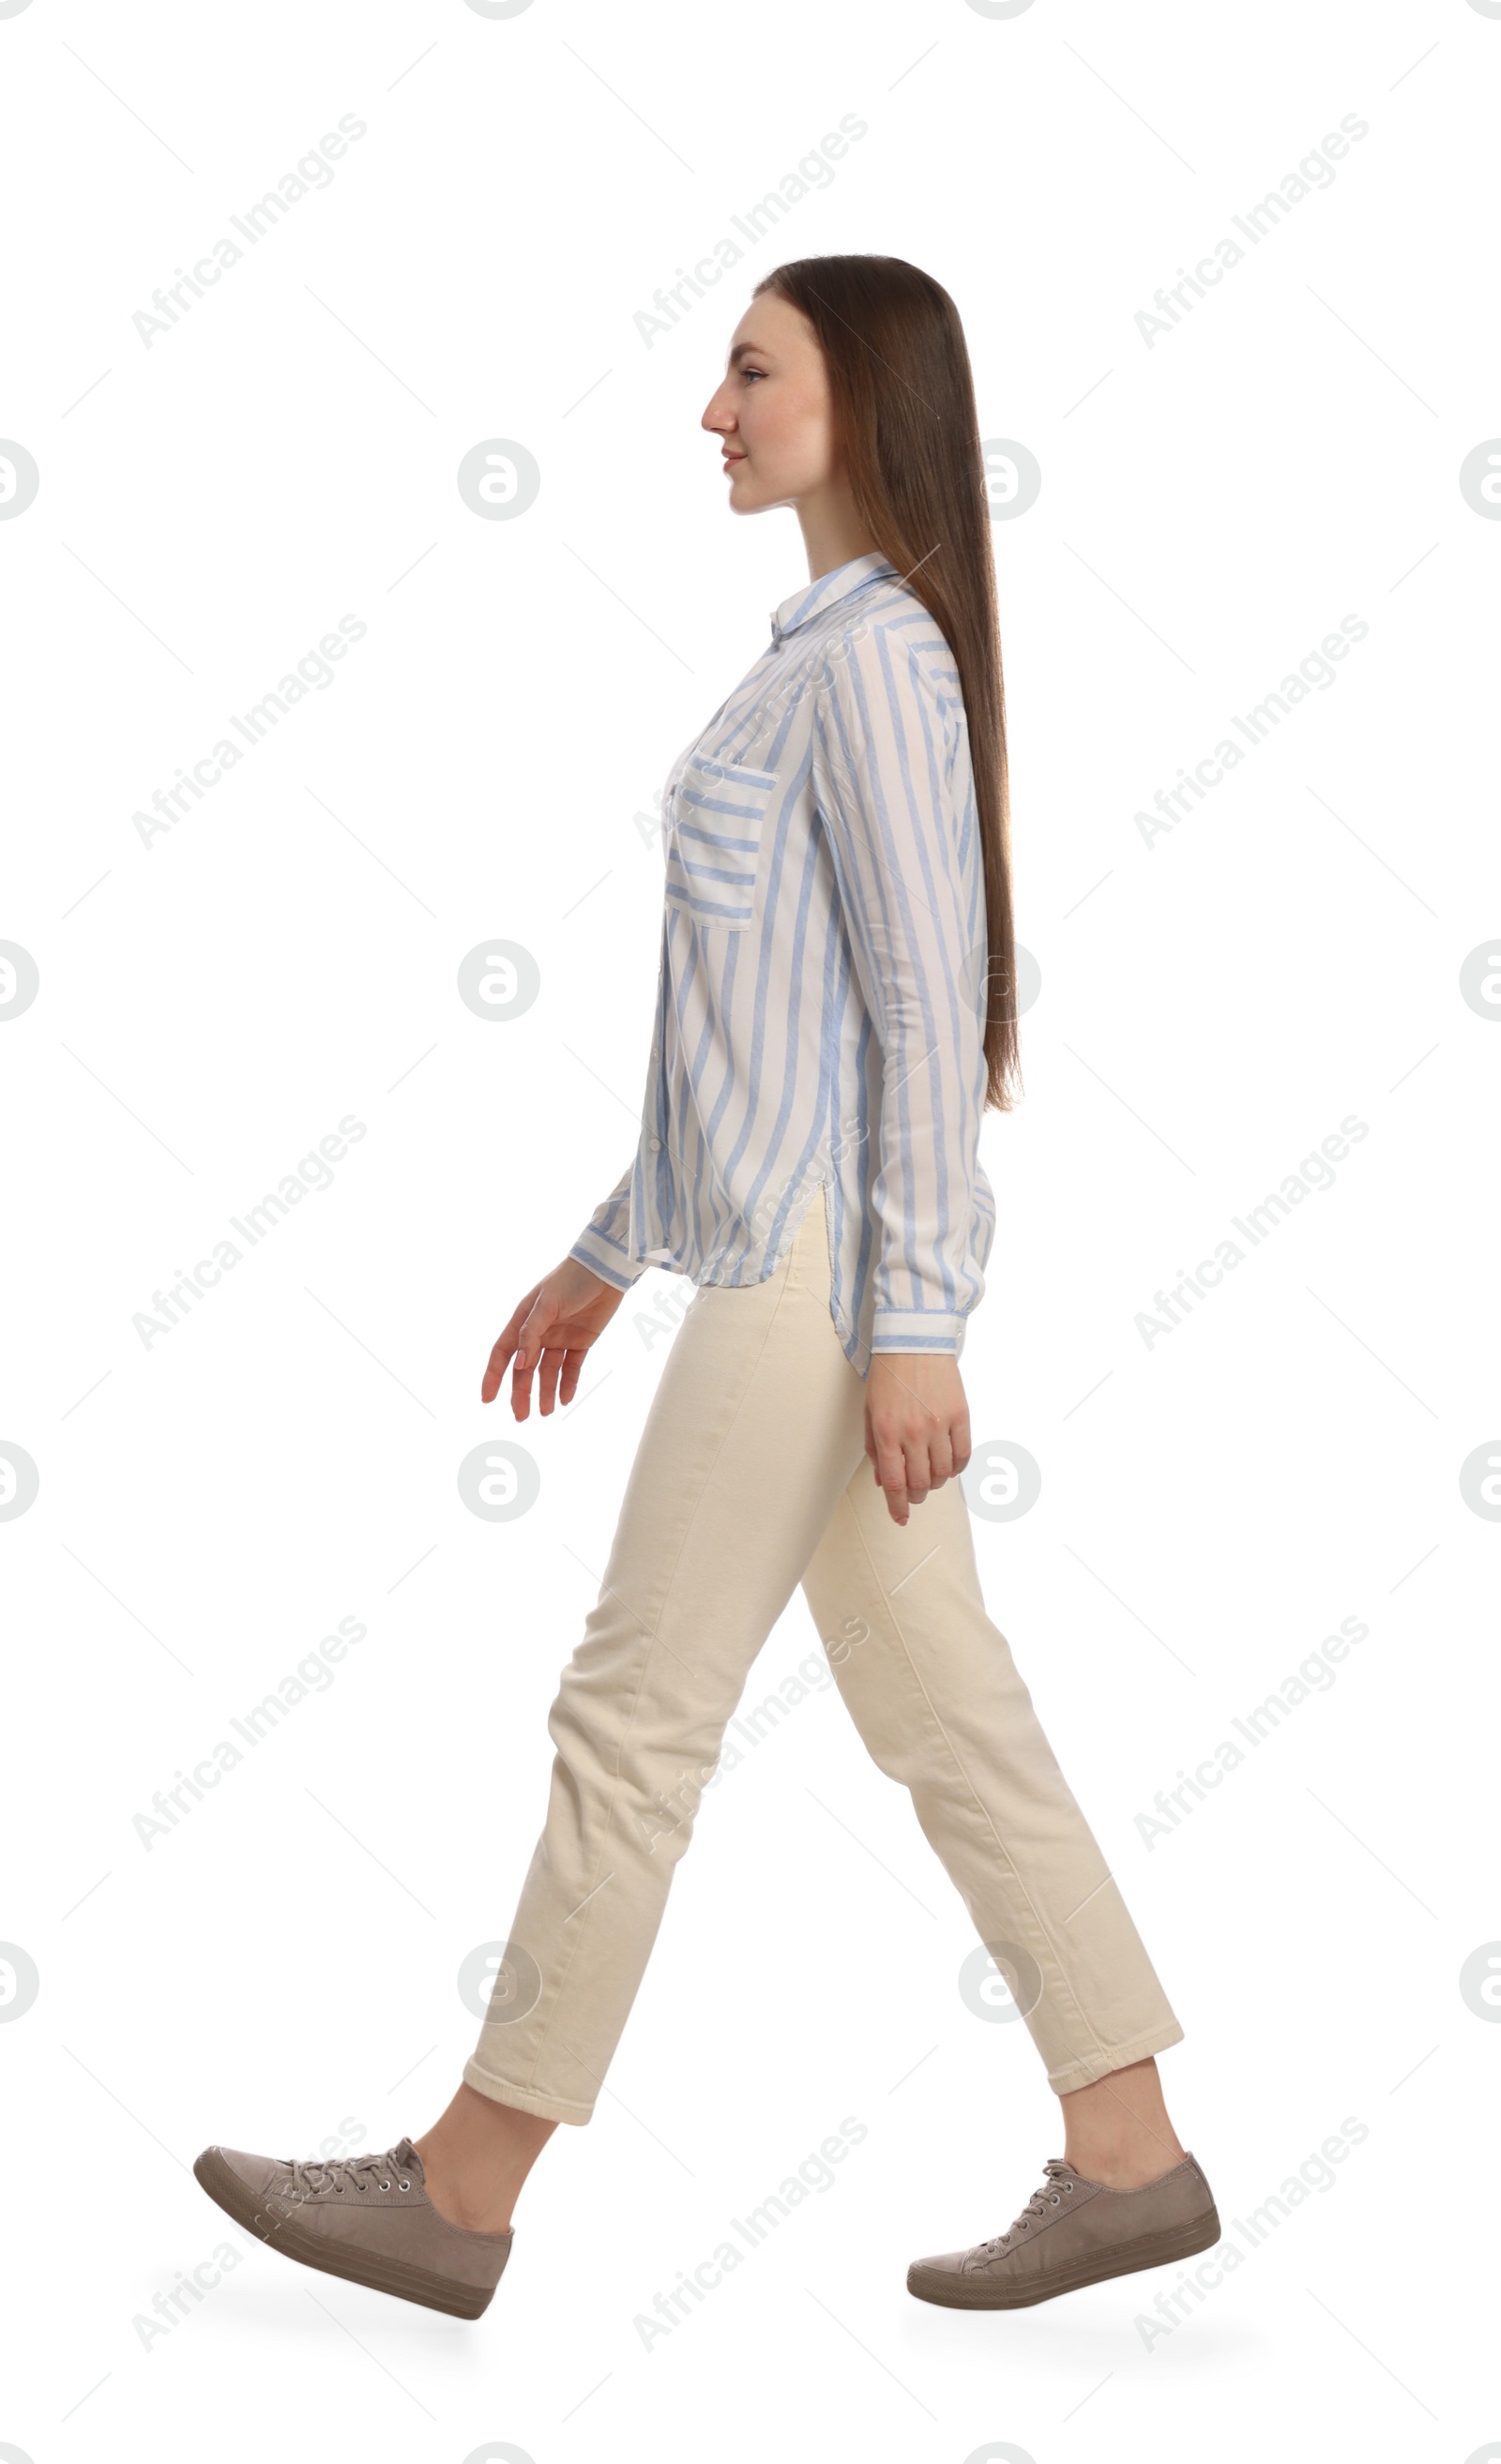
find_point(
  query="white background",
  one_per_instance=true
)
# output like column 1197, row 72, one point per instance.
column 1213, row 1006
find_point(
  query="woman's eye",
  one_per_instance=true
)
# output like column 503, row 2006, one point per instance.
column 753, row 372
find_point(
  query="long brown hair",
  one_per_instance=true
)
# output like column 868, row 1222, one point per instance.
column 905, row 426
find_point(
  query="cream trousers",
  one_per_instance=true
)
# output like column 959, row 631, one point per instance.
column 751, row 1476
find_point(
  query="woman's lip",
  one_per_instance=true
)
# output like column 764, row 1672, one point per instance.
column 733, row 457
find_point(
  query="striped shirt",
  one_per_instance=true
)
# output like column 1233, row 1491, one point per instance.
column 821, row 1001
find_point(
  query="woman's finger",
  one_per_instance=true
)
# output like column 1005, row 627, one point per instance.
column 554, row 1355
column 503, row 1347
column 891, row 1470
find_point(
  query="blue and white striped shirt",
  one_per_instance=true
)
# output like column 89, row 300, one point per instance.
column 821, row 1001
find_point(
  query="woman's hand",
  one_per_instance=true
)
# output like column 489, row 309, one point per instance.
column 552, row 1328
column 917, row 1424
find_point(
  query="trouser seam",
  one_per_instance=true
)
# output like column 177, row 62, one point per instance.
column 652, row 1636
column 1044, row 1931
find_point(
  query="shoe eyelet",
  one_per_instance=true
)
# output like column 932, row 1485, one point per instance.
column 1055, row 2197
column 386, row 2186
column 404, row 2186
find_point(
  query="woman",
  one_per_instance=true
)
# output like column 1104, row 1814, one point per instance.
column 834, row 1014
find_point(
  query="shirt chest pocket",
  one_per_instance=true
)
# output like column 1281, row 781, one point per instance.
column 715, row 840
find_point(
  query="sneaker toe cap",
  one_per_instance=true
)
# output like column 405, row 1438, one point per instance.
column 256, row 2172
column 947, row 2262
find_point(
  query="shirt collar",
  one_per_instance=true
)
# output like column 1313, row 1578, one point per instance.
column 831, row 587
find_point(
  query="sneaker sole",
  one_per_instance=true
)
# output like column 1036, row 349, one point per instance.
column 228, row 2191
column 1151, row 2249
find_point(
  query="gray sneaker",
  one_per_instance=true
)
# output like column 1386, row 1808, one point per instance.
column 1072, row 2233
column 365, row 2217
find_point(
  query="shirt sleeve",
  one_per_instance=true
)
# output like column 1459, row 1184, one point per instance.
column 603, row 1245
column 896, row 794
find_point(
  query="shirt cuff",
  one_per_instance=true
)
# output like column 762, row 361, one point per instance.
column 603, row 1259
column 896, row 1330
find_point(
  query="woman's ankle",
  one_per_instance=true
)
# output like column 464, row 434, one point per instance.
column 475, row 2158
column 1117, row 2130
column 459, row 2201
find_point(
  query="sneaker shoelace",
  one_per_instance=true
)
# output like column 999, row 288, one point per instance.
column 308, row 2176
column 1058, row 2177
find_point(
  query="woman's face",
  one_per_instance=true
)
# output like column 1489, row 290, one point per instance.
column 772, row 411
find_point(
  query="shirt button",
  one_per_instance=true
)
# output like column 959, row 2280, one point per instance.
column 655, row 1145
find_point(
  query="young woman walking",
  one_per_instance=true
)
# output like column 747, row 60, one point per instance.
column 834, row 1014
